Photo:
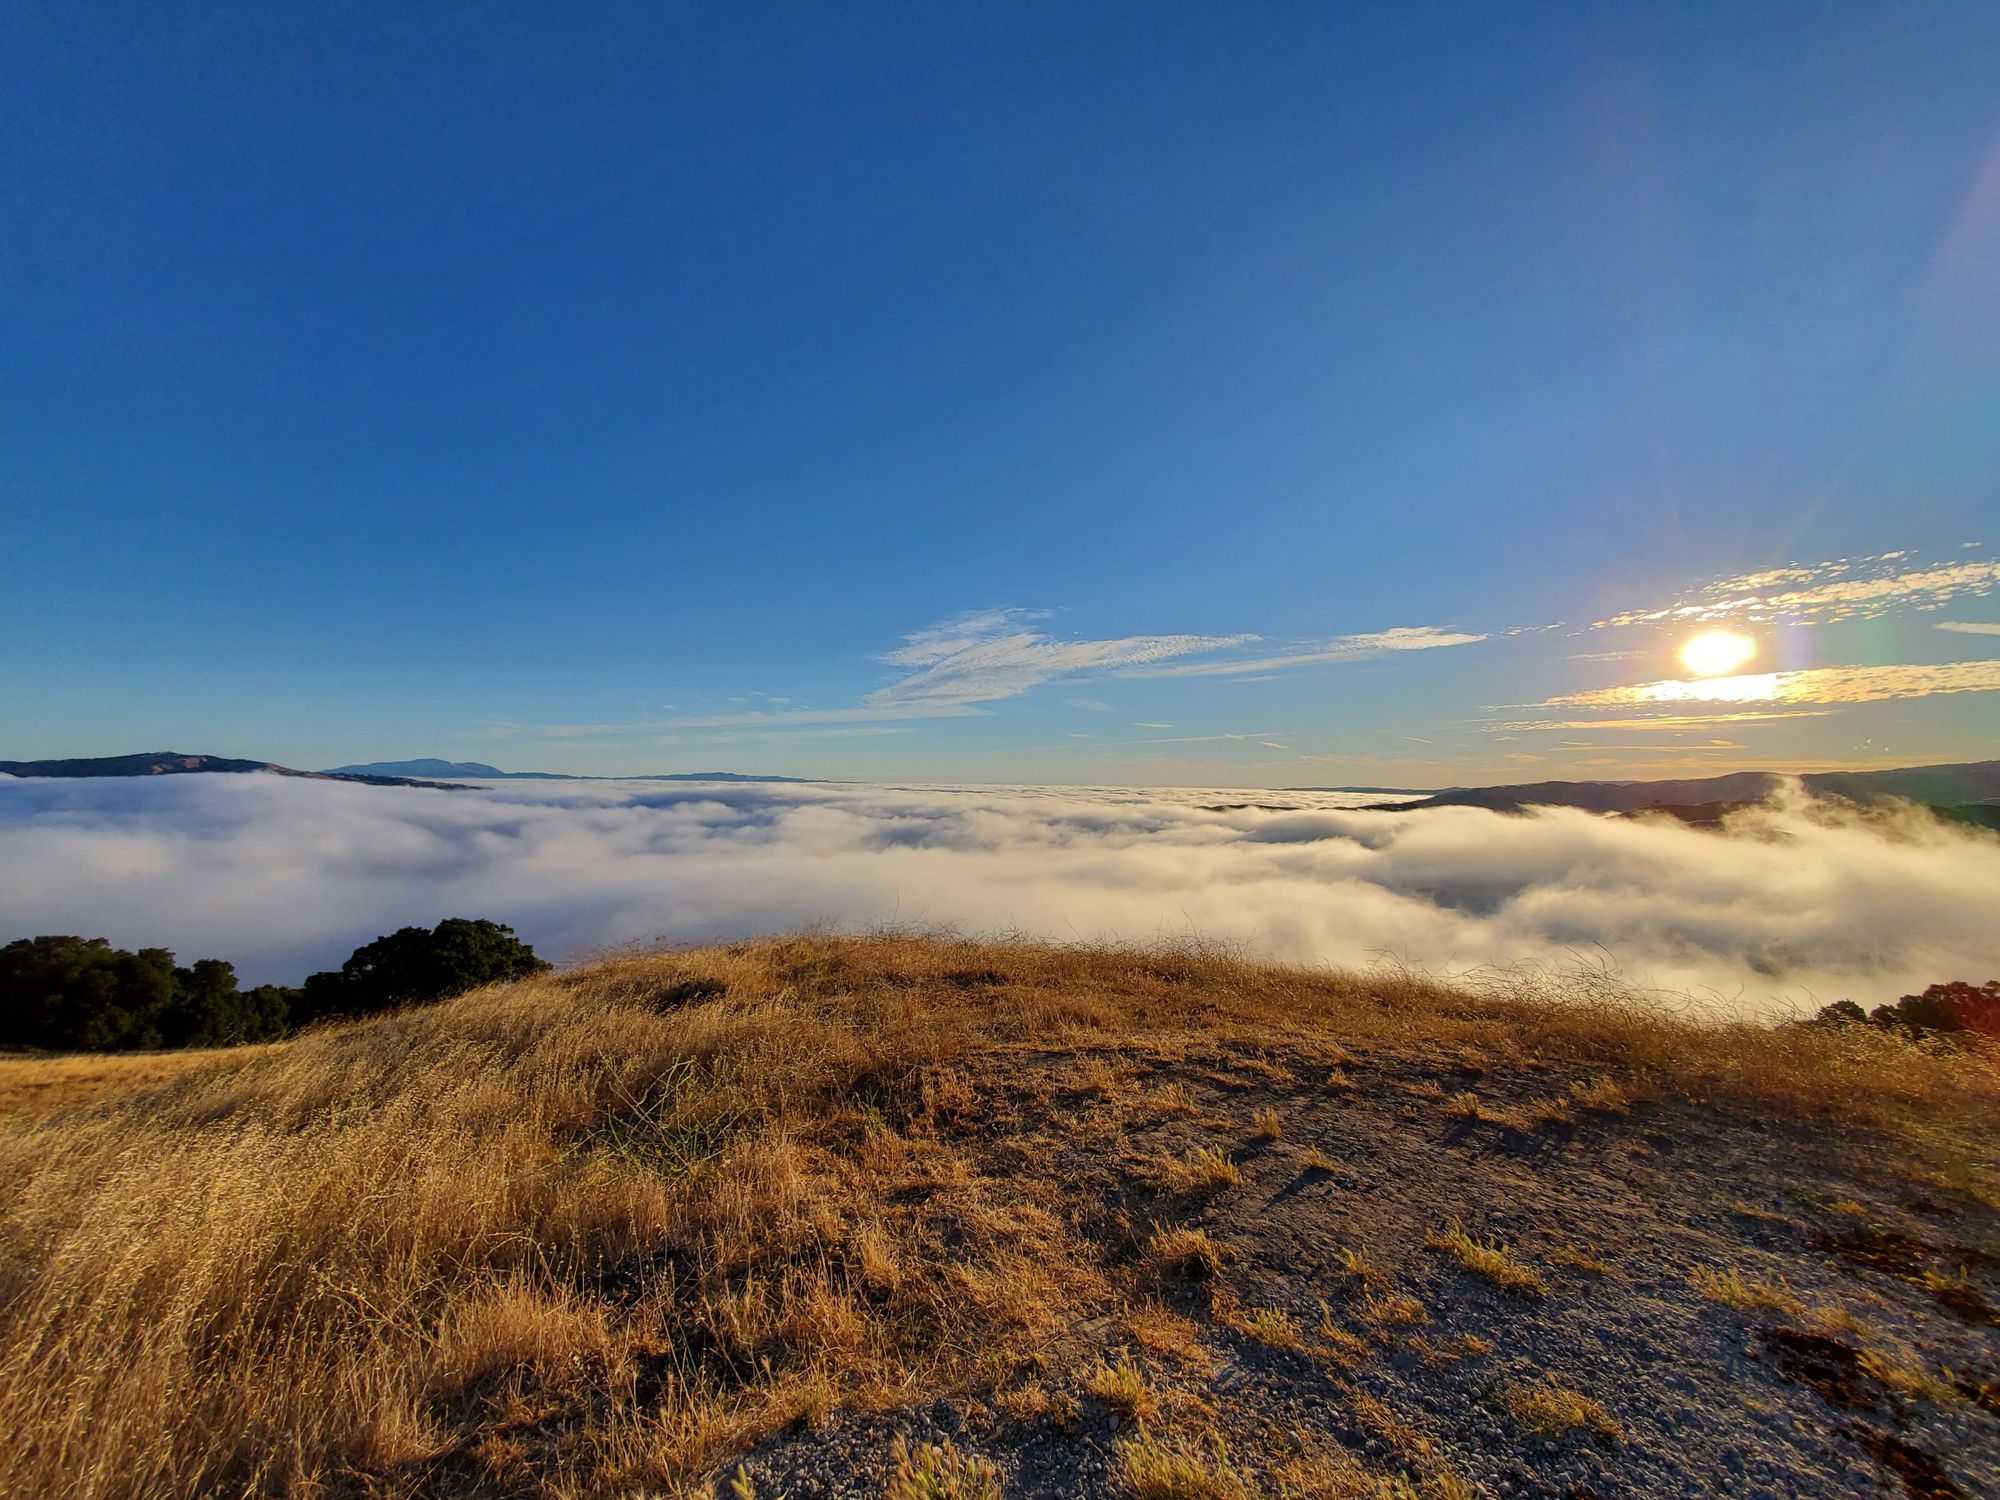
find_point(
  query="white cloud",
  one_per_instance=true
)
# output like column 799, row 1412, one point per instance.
column 1344, row 648
column 995, row 653
column 1862, row 684
column 1799, row 901
column 1090, row 705
column 1971, row 627
column 1843, row 589
column 1662, row 721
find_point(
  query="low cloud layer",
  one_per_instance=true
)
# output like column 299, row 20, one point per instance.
column 1795, row 904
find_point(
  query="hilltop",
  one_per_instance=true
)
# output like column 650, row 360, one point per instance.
column 1958, row 787
column 943, row 1220
column 423, row 773
column 176, row 763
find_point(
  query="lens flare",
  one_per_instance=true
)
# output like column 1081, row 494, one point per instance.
column 1716, row 652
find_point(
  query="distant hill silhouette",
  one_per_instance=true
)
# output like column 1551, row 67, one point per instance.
column 428, row 767
column 175, row 763
column 425, row 767
column 1960, row 791
column 1400, row 791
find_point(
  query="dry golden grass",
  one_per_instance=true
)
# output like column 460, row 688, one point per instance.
column 1159, row 1330
column 1400, row 1435
column 1186, row 1249
column 1392, row 1307
column 37, row 1085
column 940, row 1472
column 1568, row 1253
column 1605, row 1096
column 1548, row 1407
column 1158, row 1469
column 1355, row 1262
column 1172, row 1099
column 1491, row 1259
column 1732, row 1288
column 1122, row 1386
column 566, row 1236
column 1267, row 1325
column 1903, row 1373
column 1203, row 1167
column 1343, row 1345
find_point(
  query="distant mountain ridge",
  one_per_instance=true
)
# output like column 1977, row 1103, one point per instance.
column 1965, row 785
column 428, row 766
column 177, row 763
column 432, row 767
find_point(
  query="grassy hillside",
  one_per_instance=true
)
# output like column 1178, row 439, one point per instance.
column 922, row 1217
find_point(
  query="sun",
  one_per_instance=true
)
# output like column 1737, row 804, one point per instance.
column 1716, row 652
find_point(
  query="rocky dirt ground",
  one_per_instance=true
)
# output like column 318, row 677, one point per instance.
column 1409, row 1276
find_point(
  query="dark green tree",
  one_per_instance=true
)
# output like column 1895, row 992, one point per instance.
column 72, row 994
column 208, row 1010
column 83, row 995
column 415, row 964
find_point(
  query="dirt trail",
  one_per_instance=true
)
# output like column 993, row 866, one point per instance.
column 1707, row 1303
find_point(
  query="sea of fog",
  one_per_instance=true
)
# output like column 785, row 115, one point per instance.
column 1797, row 903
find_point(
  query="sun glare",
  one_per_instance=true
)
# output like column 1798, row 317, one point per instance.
column 1714, row 652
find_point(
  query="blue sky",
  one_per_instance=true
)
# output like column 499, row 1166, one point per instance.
column 1166, row 394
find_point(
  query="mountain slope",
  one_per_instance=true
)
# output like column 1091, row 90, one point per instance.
column 424, row 767
column 175, row 763
column 1939, row 786
column 1097, row 1220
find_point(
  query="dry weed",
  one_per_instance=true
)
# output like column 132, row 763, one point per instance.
column 1185, row 1249
column 1731, row 1287
column 1549, row 1407
column 1491, row 1259
column 938, row 1471
column 1122, row 1386
column 1157, row 1469
column 1205, row 1167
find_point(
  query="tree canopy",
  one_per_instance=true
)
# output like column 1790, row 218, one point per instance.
column 1957, row 1006
column 76, row 994
column 414, row 964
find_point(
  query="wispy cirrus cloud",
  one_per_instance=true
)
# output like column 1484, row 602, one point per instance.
column 1660, row 721
column 1842, row 589
column 953, row 667
column 1853, row 684
column 1341, row 649
column 1970, row 627
column 997, row 653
